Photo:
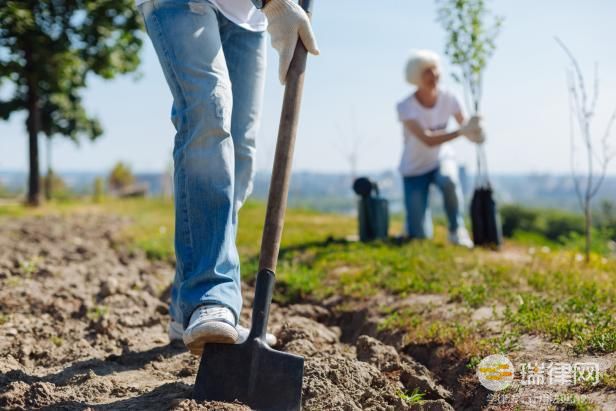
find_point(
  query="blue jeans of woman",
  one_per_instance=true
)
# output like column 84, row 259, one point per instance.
column 416, row 200
column 215, row 71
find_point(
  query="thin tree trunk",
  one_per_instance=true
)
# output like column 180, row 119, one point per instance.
column 34, row 188
column 588, row 221
column 48, row 180
column 33, row 126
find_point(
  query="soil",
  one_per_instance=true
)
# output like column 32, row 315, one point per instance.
column 84, row 327
column 83, row 323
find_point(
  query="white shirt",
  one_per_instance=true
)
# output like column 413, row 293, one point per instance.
column 417, row 157
column 241, row 12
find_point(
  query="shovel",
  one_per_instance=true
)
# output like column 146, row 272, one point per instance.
column 252, row 372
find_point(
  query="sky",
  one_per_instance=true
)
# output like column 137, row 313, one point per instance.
column 352, row 89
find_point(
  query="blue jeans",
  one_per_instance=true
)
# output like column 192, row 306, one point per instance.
column 416, row 200
column 215, row 71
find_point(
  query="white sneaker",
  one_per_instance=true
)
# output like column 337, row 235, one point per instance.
column 461, row 237
column 210, row 324
column 176, row 332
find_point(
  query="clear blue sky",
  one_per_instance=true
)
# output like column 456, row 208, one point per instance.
column 354, row 85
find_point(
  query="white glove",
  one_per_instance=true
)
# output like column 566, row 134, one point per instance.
column 473, row 130
column 288, row 22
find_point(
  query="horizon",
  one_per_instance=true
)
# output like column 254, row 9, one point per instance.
column 470, row 173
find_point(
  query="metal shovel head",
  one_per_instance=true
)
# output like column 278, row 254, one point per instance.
column 252, row 373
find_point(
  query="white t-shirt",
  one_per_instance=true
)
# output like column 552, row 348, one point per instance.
column 418, row 158
column 241, row 12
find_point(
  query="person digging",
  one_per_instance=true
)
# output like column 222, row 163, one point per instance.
column 212, row 53
column 427, row 158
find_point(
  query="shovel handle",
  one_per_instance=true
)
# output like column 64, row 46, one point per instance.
column 281, row 172
column 279, row 186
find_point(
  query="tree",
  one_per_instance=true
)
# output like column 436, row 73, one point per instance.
column 121, row 177
column 471, row 30
column 47, row 50
column 582, row 108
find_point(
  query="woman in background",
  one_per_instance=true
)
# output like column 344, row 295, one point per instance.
column 427, row 158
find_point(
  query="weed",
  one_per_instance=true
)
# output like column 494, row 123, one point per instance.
column 608, row 378
column 56, row 340
column 30, row 267
column 473, row 362
column 97, row 313
column 414, row 397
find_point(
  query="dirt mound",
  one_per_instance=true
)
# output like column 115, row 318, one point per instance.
column 369, row 375
column 83, row 326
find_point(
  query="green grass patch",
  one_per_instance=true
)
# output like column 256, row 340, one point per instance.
column 577, row 318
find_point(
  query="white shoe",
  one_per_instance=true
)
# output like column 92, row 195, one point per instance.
column 175, row 331
column 210, row 324
column 461, row 237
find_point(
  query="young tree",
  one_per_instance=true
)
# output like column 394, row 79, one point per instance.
column 99, row 190
column 582, row 113
column 471, row 30
column 47, row 50
column 350, row 143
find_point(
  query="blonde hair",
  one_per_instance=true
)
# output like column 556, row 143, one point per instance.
column 418, row 62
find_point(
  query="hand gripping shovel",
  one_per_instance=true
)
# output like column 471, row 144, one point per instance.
column 252, row 372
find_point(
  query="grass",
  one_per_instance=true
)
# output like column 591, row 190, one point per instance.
column 543, row 288
column 575, row 402
column 608, row 379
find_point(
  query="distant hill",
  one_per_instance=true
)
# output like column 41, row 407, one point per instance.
column 332, row 192
column 79, row 182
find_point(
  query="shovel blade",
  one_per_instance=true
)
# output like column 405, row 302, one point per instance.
column 252, row 373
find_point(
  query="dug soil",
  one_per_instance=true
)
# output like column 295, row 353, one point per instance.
column 83, row 321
